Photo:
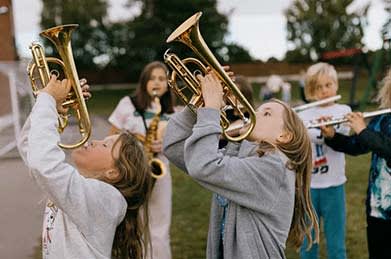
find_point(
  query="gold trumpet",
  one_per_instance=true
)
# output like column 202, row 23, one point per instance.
column 189, row 34
column 60, row 36
column 337, row 121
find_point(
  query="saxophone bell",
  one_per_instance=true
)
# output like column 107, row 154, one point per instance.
column 157, row 166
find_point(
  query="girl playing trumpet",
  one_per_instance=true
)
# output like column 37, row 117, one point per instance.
column 261, row 186
column 95, row 205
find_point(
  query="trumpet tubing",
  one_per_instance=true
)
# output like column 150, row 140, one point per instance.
column 60, row 36
column 337, row 121
column 189, row 34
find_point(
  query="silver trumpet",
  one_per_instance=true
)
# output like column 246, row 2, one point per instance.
column 317, row 103
column 337, row 121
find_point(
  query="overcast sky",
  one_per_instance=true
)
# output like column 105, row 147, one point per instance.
column 258, row 25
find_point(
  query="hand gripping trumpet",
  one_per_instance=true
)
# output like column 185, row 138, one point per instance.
column 189, row 34
column 60, row 36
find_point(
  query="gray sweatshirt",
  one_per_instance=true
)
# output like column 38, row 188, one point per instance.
column 81, row 219
column 260, row 190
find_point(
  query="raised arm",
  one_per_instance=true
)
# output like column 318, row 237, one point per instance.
column 253, row 181
column 179, row 128
column 77, row 196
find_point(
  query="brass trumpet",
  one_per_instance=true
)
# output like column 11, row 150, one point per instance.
column 60, row 36
column 189, row 34
column 337, row 121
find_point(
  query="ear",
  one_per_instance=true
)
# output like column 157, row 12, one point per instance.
column 285, row 137
column 111, row 175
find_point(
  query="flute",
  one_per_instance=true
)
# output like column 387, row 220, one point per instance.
column 337, row 121
column 317, row 103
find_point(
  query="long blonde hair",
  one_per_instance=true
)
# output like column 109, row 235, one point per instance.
column 384, row 96
column 299, row 152
column 132, row 237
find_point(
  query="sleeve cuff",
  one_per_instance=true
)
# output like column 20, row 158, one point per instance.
column 365, row 135
column 208, row 116
column 45, row 97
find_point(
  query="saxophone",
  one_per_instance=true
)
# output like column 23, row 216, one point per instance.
column 157, row 165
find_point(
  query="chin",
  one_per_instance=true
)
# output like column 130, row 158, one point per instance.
column 77, row 157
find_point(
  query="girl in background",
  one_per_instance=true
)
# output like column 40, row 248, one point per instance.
column 95, row 207
column 135, row 113
column 261, row 186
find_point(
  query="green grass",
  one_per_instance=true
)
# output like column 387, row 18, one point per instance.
column 191, row 209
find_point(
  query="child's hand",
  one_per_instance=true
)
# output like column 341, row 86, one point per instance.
column 85, row 88
column 356, row 121
column 212, row 91
column 327, row 131
column 227, row 70
column 157, row 146
column 59, row 90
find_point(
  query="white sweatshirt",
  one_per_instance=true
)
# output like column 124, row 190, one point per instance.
column 329, row 165
column 81, row 219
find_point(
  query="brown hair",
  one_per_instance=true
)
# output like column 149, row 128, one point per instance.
column 312, row 77
column 384, row 95
column 299, row 152
column 245, row 87
column 132, row 237
column 142, row 97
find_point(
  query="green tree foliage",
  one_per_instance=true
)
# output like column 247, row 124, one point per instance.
column 316, row 26
column 129, row 45
column 89, row 40
column 386, row 30
column 143, row 38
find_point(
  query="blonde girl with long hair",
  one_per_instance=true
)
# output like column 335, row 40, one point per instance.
column 261, row 186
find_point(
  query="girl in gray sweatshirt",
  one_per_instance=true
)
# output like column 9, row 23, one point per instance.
column 94, row 207
column 261, row 186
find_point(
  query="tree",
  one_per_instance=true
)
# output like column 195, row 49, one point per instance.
column 316, row 26
column 143, row 38
column 386, row 30
column 89, row 40
column 127, row 46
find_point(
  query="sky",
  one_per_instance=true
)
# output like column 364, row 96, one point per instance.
column 257, row 25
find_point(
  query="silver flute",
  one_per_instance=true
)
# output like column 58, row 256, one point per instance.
column 317, row 103
column 336, row 121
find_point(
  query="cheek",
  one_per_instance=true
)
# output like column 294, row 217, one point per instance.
column 149, row 88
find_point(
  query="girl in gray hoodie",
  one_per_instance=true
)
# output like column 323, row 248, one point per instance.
column 95, row 207
column 261, row 186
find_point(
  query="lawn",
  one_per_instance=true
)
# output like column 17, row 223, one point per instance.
column 191, row 202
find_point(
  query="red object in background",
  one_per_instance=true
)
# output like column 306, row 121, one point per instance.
column 7, row 32
column 340, row 53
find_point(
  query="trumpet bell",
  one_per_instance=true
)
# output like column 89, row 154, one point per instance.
column 60, row 36
column 189, row 34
